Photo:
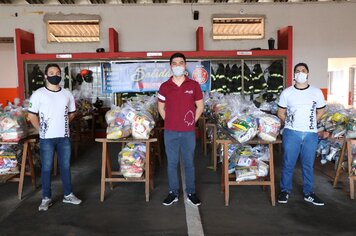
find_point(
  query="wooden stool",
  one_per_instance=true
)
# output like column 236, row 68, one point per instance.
column 202, row 133
column 225, row 177
column 214, row 145
column 106, row 166
column 339, row 164
column 26, row 159
column 157, row 146
column 352, row 176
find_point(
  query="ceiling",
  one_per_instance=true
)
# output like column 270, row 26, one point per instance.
column 88, row 2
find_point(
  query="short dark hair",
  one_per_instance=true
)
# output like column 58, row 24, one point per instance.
column 301, row 64
column 175, row 55
column 52, row 65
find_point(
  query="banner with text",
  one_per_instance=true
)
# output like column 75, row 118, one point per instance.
column 148, row 76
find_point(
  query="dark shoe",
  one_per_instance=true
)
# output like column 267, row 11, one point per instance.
column 193, row 199
column 283, row 197
column 314, row 199
column 170, row 199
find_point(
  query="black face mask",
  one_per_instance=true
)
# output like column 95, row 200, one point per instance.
column 55, row 80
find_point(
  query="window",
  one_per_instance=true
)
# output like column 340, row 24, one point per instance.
column 240, row 27
column 62, row 31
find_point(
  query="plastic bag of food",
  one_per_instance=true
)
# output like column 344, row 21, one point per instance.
column 351, row 127
column 268, row 127
column 116, row 132
column 246, row 173
column 83, row 106
column 261, row 152
column 13, row 135
column 8, row 160
column 132, row 162
column 7, row 122
column 242, row 128
column 262, row 168
column 111, row 115
column 142, row 126
column 246, row 161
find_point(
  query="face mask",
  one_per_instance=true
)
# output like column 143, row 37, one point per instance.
column 55, row 80
column 300, row 77
column 178, row 71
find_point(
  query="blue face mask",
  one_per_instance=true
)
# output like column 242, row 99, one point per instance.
column 55, row 80
column 178, row 71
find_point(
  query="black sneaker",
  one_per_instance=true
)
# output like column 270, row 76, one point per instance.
column 314, row 199
column 193, row 199
column 283, row 197
column 170, row 199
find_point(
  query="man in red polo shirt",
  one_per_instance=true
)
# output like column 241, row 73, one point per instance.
column 180, row 103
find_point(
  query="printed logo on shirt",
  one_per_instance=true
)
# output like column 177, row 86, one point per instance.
column 189, row 91
column 66, row 122
column 30, row 105
column 44, row 124
column 312, row 115
column 189, row 118
column 290, row 117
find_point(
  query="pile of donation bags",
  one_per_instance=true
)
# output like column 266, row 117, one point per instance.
column 336, row 125
column 13, row 127
column 243, row 121
column 134, row 118
column 241, row 118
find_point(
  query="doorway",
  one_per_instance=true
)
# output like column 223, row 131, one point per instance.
column 342, row 81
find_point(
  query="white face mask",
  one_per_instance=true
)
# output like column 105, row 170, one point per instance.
column 300, row 77
column 178, row 70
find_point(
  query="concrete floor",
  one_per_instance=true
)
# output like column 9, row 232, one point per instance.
column 125, row 211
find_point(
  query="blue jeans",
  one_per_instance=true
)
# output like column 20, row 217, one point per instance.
column 47, row 149
column 298, row 144
column 176, row 142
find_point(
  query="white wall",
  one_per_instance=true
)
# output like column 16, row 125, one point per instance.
column 8, row 66
column 321, row 30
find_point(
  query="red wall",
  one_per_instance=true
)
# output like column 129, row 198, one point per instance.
column 8, row 94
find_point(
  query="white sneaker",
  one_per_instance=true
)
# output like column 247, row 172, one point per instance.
column 46, row 202
column 72, row 199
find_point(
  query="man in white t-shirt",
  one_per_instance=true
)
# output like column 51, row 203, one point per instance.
column 50, row 111
column 300, row 107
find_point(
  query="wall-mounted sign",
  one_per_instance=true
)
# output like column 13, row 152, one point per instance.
column 148, row 76
column 63, row 55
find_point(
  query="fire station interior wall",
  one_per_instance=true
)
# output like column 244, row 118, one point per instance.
column 321, row 30
column 8, row 71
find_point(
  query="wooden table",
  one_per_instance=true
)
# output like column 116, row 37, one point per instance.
column 347, row 145
column 213, row 154
column 106, row 165
column 352, row 176
column 202, row 133
column 339, row 164
column 26, row 157
column 225, row 177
